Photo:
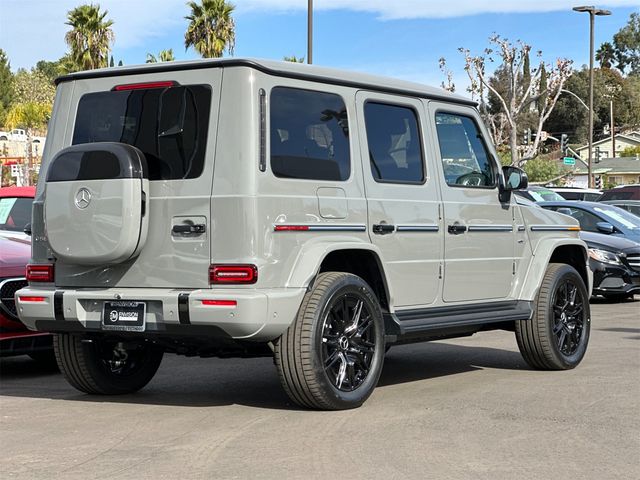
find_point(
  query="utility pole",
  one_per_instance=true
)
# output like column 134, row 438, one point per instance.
column 592, row 11
column 613, row 133
column 310, row 32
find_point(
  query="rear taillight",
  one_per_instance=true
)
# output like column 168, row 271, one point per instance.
column 233, row 274
column 40, row 273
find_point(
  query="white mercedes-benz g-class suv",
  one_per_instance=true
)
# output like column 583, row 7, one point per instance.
column 240, row 207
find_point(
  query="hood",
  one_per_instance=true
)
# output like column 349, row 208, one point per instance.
column 607, row 242
column 14, row 255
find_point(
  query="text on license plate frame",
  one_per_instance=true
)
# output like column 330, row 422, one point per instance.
column 124, row 315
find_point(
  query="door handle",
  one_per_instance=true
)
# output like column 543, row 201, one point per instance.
column 456, row 229
column 383, row 228
column 189, row 229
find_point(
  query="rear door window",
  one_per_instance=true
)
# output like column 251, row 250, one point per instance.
column 395, row 146
column 169, row 125
column 309, row 135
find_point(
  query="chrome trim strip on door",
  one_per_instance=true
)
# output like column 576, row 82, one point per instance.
column 417, row 228
column 555, row 228
column 490, row 228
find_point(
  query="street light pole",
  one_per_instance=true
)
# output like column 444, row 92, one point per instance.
column 593, row 11
column 310, row 32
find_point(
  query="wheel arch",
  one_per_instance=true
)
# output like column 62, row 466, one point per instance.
column 361, row 259
column 568, row 251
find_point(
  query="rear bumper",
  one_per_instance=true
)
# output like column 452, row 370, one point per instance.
column 259, row 315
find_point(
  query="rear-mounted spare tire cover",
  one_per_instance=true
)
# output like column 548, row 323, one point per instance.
column 95, row 203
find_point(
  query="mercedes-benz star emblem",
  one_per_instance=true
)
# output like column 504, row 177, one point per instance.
column 83, row 198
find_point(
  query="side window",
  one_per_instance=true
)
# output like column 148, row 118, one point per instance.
column 588, row 221
column 465, row 158
column 395, row 147
column 309, row 135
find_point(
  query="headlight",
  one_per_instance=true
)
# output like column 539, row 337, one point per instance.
column 604, row 256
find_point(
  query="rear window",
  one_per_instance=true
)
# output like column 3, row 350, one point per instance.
column 169, row 125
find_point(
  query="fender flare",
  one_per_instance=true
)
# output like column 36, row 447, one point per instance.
column 540, row 261
column 312, row 254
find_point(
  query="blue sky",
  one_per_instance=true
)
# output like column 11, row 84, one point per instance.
column 400, row 38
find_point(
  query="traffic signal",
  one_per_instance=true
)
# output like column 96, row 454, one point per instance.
column 598, row 181
column 526, row 139
column 564, row 143
column 597, row 154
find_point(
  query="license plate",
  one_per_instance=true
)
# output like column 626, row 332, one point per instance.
column 125, row 316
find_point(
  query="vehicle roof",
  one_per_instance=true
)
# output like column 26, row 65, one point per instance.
column 28, row 192
column 575, row 189
column 281, row 69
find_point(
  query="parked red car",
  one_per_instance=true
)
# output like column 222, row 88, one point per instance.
column 15, row 251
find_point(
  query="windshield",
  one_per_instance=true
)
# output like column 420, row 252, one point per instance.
column 620, row 216
column 15, row 213
column 545, row 196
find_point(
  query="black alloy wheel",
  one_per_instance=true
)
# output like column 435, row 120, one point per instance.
column 348, row 342
column 331, row 356
column 120, row 359
column 568, row 317
column 104, row 366
column 557, row 335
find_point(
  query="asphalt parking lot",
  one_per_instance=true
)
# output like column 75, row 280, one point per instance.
column 465, row 408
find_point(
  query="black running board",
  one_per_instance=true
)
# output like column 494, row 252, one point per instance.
column 459, row 320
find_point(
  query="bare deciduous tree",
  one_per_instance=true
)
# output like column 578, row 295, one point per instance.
column 525, row 94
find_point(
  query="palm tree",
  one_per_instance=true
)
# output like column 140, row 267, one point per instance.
column 90, row 36
column 163, row 56
column 211, row 28
column 166, row 55
column 606, row 55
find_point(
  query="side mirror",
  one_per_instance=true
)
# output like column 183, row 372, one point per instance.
column 514, row 178
column 565, row 211
column 605, row 227
column 27, row 229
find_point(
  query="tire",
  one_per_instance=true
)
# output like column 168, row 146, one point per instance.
column 97, row 366
column 557, row 335
column 331, row 357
